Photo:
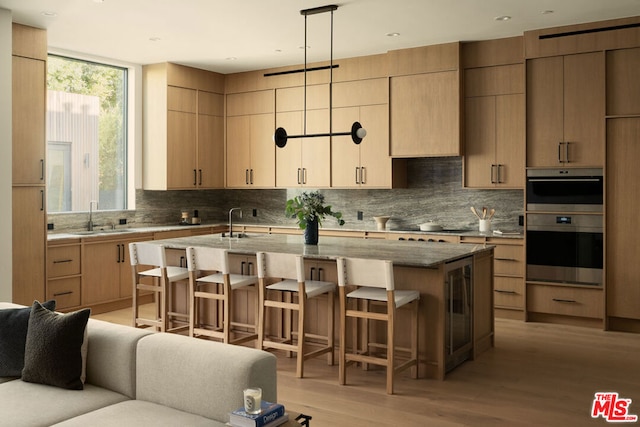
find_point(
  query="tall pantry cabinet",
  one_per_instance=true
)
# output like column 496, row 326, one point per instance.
column 28, row 157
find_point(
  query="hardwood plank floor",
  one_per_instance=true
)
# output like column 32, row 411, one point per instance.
column 537, row 375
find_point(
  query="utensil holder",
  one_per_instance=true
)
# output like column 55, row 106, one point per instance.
column 485, row 225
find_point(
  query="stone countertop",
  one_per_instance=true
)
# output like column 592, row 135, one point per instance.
column 413, row 254
column 510, row 234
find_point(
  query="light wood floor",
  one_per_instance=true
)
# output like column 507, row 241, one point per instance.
column 537, row 375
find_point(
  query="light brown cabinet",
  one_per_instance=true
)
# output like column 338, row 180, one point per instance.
column 28, row 164
column 566, row 301
column 303, row 161
column 622, row 207
column 183, row 128
column 425, row 114
column 106, row 270
column 367, row 164
column 29, row 240
column 494, row 127
column 566, row 110
column 64, row 274
column 251, row 152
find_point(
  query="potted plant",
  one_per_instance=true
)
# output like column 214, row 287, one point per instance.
column 309, row 209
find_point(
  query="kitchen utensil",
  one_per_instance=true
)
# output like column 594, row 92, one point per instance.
column 381, row 222
column 491, row 213
column 430, row 226
column 484, row 212
column 475, row 212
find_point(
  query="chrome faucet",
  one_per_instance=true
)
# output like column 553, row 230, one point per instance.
column 231, row 219
column 90, row 224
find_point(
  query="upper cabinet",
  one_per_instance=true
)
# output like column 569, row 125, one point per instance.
column 425, row 100
column 623, row 85
column 183, row 128
column 494, row 151
column 566, row 110
column 303, row 161
column 367, row 164
column 28, row 104
column 250, row 147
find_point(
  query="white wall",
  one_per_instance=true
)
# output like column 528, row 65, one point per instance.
column 6, row 277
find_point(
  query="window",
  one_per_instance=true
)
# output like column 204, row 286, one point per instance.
column 86, row 135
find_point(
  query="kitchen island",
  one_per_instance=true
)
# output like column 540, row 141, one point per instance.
column 447, row 313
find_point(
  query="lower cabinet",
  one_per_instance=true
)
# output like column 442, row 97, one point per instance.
column 565, row 301
column 64, row 273
column 106, row 270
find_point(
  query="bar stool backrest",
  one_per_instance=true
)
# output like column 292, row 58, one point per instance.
column 366, row 272
column 283, row 266
column 142, row 253
column 208, row 259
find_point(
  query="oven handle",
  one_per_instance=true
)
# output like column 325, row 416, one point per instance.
column 564, row 180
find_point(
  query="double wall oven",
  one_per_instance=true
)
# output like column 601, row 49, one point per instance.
column 564, row 226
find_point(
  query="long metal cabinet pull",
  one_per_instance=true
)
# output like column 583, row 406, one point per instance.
column 200, row 173
column 560, row 152
column 41, row 200
column 492, row 174
column 41, row 169
column 246, row 176
column 566, row 152
column 195, row 177
column 363, row 175
column 357, row 175
column 251, row 176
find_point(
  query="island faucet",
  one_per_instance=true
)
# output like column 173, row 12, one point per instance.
column 90, row 223
column 231, row 219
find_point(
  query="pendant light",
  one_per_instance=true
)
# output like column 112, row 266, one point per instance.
column 357, row 132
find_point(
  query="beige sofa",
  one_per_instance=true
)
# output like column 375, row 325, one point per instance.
column 139, row 378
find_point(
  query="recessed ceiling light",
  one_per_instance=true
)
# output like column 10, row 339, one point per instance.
column 231, row 58
column 98, row 1
column 154, row 39
column 502, row 18
column 392, row 34
column 49, row 14
column 302, row 47
column 547, row 12
column 278, row 50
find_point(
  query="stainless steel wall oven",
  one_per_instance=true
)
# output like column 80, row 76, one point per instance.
column 564, row 228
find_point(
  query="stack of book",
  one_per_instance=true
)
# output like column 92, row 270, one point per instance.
column 271, row 415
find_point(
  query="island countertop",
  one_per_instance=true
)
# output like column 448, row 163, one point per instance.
column 406, row 253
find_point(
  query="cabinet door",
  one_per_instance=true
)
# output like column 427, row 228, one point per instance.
column 345, row 156
column 210, row 151
column 425, row 115
column 544, row 111
column 28, row 105
column 101, row 272
column 510, row 141
column 584, row 109
column 263, row 151
column 316, row 152
column 623, row 205
column 289, row 157
column 238, row 150
column 29, row 243
column 375, row 162
column 480, row 142
column 181, row 150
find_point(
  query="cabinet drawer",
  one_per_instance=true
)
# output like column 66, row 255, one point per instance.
column 565, row 300
column 63, row 261
column 66, row 292
column 508, row 292
column 509, row 260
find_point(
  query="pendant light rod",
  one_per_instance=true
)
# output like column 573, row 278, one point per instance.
column 357, row 132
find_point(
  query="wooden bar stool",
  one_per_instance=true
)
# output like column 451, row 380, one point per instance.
column 374, row 285
column 288, row 271
column 144, row 255
column 218, row 287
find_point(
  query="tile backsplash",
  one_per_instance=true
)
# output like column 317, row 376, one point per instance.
column 434, row 192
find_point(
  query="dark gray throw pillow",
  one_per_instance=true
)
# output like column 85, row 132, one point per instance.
column 13, row 335
column 53, row 348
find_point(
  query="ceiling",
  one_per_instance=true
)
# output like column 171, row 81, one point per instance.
column 239, row 35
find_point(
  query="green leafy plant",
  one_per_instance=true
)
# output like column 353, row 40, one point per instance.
column 310, row 206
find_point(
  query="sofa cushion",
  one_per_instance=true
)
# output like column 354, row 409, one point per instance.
column 111, row 359
column 201, row 377
column 25, row 404
column 14, row 323
column 53, row 350
column 140, row 414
